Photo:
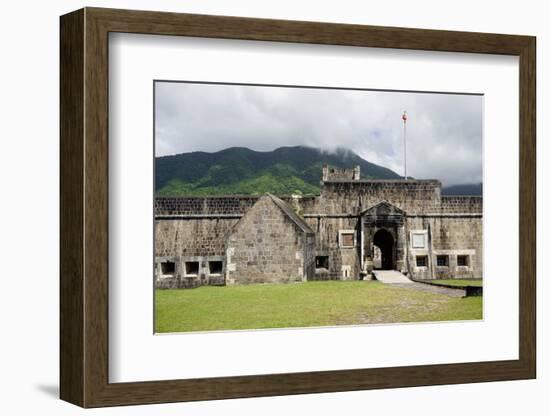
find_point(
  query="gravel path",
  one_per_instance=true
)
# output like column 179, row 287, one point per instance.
column 423, row 287
column 398, row 279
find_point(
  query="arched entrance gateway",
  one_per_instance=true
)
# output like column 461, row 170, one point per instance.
column 383, row 238
column 385, row 242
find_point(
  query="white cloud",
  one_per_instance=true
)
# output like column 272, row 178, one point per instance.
column 444, row 131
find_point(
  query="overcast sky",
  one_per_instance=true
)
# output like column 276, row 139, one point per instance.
column 444, row 131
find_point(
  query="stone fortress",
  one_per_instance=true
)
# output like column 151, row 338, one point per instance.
column 351, row 228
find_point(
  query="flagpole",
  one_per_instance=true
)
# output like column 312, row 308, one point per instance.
column 404, row 117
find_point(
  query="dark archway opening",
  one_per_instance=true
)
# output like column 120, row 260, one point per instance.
column 384, row 241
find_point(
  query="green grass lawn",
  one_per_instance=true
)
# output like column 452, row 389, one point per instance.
column 328, row 303
column 458, row 282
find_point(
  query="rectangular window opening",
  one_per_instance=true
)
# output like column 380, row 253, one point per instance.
column 215, row 267
column 321, row 262
column 421, row 261
column 462, row 260
column 442, row 261
column 347, row 239
column 191, row 268
column 168, row 268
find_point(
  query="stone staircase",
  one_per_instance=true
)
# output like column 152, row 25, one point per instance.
column 398, row 279
column 391, row 276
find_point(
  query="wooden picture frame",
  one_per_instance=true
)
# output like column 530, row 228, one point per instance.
column 84, row 207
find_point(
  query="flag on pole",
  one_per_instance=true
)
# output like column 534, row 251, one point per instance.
column 404, row 118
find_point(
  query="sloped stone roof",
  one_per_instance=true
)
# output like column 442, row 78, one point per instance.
column 289, row 212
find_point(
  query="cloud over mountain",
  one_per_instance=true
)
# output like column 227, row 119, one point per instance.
column 444, row 131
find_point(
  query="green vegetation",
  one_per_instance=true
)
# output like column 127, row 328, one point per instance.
column 286, row 170
column 458, row 282
column 267, row 181
column 307, row 304
column 233, row 171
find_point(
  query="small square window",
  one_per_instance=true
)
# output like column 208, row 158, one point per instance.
column 321, row 262
column 462, row 260
column 442, row 261
column 167, row 268
column 215, row 267
column 421, row 261
column 419, row 240
column 191, row 268
column 347, row 239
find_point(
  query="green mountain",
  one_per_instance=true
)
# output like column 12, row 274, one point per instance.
column 239, row 170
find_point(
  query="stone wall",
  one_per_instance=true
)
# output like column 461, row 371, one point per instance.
column 337, row 197
column 309, row 257
column 412, row 196
column 336, row 174
column 344, row 262
column 303, row 204
column 190, row 240
column 449, row 237
column 461, row 204
column 267, row 242
column 196, row 237
column 195, row 206
column 266, row 246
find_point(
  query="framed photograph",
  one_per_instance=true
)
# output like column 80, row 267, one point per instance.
column 254, row 207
